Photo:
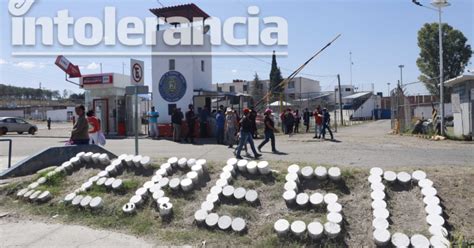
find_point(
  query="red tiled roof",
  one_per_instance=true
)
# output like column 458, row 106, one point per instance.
column 189, row 11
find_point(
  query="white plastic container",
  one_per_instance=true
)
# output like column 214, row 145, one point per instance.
column 379, row 204
column 198, row 168
column 404, row 177
column 193, row 176
column 145, row 162
column 302, row 199
column 108, row 183
column 332, row 230
column 334, row 173
column 212, row 198
column 200, row 216
column 334, row 217
column 238, row 225
column 77, row 200
column 129, row 208
column 226, row 176
column 330, row 198
column 377, row 195
column 334, row 207
column 174, row 183
column 376, row 171
column 425, row 183
column 294, row 168
column 86, row 201
column 263, row 168
column 167, row 167
column 216, row 190
column 315, row 230
column 252, row 167
column 418, row 175
column 292, row 177
column 228, row 191
column 321, row 173
column 117, row 184
column 381, row 213
column 44, row 197
column 104, row 159
column 136, row 200
column 69, row 197
column 164, row 182
column 307, row 172
column 389, row 176
column 212, row 219
column 161, row 172
column 111, row 170
column 289, row 196
column 242, row 165
column 101, row 181
column 95, row 158
column 281, row 227
column 173, row 161
column 239, row 193
column 290, row 185
column 251, row 196
column 207, row 206
column 298, row 228
column 418, row 240
column 186, row 184
column 224, row 222
column 233, row 162
column 400, row 240
column 136, row 161
column 230, row 169
column 380, row 223
column 381, row 237
column 165, row 209
column 182, row 163
column 95, row 203
column 87, row 157
column 316, row 199
column 222, row 183
column 191, row 162
column 157, row 194
column 148, row 184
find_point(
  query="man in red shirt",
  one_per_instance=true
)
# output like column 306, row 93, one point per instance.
column 318, row 119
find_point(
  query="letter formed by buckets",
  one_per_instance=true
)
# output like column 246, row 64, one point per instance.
column 34, row 193
column 224, row 193
column 107, row 177
column 405, row 181
column 196, row 177
column 297, row 180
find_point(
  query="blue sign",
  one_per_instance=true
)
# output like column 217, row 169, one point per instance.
column 172, row 86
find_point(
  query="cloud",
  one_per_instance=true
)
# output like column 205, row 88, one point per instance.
column 3, row 62
column 234, row 71
column 92, row 66
column 28, row 65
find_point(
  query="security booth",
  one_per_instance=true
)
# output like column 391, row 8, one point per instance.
column 462, row 99
column 105, row 94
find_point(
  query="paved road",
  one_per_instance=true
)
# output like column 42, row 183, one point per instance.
column 362, row 145
column 25, row 233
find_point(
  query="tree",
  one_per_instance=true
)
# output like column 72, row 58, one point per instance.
column 275, row 79
column 256, row 89
column 456, row 55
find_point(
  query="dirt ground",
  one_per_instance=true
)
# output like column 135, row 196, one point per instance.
column 454, row 185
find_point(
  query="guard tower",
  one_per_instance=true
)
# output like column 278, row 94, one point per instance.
column 178, row 71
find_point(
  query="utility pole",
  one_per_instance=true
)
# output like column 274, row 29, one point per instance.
column 350, row 60
column 401, row 74
column 340, row 98
column 388, row 89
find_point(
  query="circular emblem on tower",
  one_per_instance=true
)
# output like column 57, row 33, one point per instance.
column 172, row 86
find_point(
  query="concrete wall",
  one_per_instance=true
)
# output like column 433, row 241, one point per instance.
column 12, row 113
column 463, row 121
column 60, row 114
column 188, row 66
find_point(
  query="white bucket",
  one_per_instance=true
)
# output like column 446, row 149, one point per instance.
column 418, row 175
column 298, row 228
column 316, row 199
column 200, row 216
column 44, row 197
column 263, row 167
column 173, row 161
column 136, row 161
column 224, row 222
column 289, row 196
column 136, row 200
column 174, row 183
column 186, row 184
column 216, row 190
column 380, row 223
column 294, row 168
column 334, row 173
column 117, row 184
column 376, row 171
column 239, row 193
column 191, row 162
column 165, row 208
column 334, row 217
column 315, row 230
column 157, row 194
column 281, row 227
column 302, row 199
column 212, row 219
column 182, row 163
column 238, row 225
column 145, row 162
column 194, row 176
column 321, row 173
column 104, row 159
column 389, row 176
column 252, row 167
column 198, row 168
column 86, row 201
column 403, row 177
column 418, row 240
column 95, row 158
column 307, row 172
column 290, row 185
column 400, row 240
column 108, row 183
column 129, row 208
column 69, row 197
column 251, row 196
column 77, row 200
column 96, row 202
column 381, row 237
column 330, row 198
column 242, row 165
column 228, row 191
column 212, row 198
column 207, row 206
column 334, row 207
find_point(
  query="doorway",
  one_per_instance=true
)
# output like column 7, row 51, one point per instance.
column 101, row 109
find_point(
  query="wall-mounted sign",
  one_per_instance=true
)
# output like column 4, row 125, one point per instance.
column 136, row 71
column 172, row 86
column 98, row 79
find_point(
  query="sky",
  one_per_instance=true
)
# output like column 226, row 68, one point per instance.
column 380, row 34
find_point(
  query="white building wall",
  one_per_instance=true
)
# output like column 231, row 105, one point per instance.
column 59, row 114
column 12, row 113
column 188, row 66
column 463, row 120
column 366, row 109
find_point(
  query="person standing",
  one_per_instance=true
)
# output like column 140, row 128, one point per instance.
column 203, row 119
column 246, row 135
column 177, row 121
column 318, row 119
column 327, row 123
column 253, row 119
column 153, row 123
column 94, row 127
column 48, row 122
column 230, row 127
column 306, row 116
column 220, row 125
column 80, row 130
column 269, row 131
column 283, row 122
column 289, row 121
column 297, row 121
column 191, row 122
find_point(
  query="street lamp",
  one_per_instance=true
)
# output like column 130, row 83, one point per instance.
column 401, row 74
column 388, row 89
column 440, row 4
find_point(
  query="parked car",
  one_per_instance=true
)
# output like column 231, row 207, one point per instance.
column 13, row 124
